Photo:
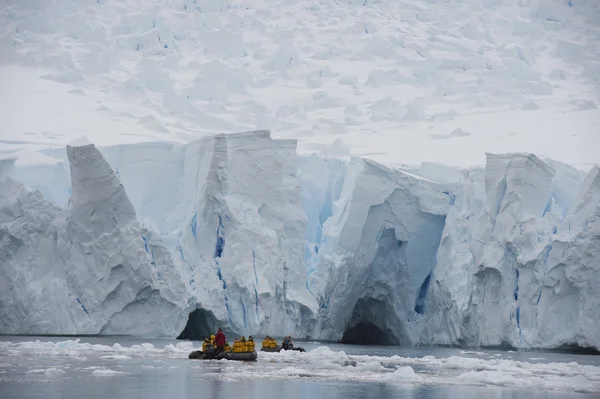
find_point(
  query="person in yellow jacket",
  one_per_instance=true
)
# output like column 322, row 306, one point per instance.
column 244, row 345
column 272, row 343
column 237, row 346
column 250, row 344
column 212, row 340
column 227, row 347
column 207, row 346
column 265, row 342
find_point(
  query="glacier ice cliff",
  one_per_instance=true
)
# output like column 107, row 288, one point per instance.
column 518, row 261
column 377, row 251
column 224, row 213
column 236, row 230
column 85, row 269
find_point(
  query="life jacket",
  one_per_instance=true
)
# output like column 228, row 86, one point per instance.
column 237, row 347
column 227, row 347
column 207, row 347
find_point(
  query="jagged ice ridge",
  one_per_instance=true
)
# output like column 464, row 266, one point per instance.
column 236, row 230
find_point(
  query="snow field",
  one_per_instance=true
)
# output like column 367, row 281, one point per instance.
column 394, row 79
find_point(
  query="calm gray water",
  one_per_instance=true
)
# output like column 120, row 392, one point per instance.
column 34, row 367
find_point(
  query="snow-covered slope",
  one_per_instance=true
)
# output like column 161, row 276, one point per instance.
column 400, row 81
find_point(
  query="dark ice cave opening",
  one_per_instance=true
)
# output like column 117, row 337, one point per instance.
column 374, row 320
column 365, row 333
column 369, row 325
column 201, row 324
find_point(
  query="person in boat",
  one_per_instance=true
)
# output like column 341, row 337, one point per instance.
column 220, row 341
column 287, row 343
column 227, row 347
column 212, row 340
column 237, row 346
column 207, row 347
column 250, row 344
column 269, row 343
column 244, row 344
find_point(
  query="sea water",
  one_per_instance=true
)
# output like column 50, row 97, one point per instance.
column 117, row 367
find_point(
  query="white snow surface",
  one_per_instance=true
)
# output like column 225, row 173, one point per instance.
column 399, row 82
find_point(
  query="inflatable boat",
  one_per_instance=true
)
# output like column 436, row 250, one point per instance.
column 245, row 356
column 299, row 349
column 278, row 349
column 270, row 349
column 201, row 355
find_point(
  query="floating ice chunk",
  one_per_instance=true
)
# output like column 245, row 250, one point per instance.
column 48, row 371
column 472, row 353
column 115, row 357
column 370, row 366
column 324, row 353
column 106, row 372
column 488, row 378
column 404, row 373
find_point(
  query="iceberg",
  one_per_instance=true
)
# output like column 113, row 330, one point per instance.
column 238, row 231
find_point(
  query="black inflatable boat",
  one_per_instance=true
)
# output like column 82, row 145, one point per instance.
column 245, row 356
column 270, row 349
column 278, row 349
column 201, row 355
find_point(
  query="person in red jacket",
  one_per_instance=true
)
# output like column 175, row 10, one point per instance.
column 220, row 341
